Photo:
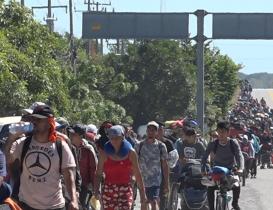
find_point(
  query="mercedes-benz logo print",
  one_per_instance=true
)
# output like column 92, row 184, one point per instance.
column 37, row 163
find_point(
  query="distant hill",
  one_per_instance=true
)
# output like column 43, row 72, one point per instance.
column 258, row 80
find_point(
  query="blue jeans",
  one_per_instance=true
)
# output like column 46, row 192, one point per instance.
column 5, row 192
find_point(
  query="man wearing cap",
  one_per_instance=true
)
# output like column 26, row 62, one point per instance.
column 87, row 161
column 62, row 134
column 42, row 165
column 26, row 113
column 153, row 164
column 190, row 147
column 91, row 132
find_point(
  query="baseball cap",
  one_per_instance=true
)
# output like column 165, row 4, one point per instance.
column 91, row 128
column 32, row 107
column 77, row 128
column 91, row 131
column 61, row 123
column 42, row 111
column 245, row 137
column 153, row 123
column 115, row 130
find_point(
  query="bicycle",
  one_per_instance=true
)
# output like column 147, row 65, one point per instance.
column 173, row 200
column 220, row 176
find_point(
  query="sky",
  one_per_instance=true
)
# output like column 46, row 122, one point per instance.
column 255, row 55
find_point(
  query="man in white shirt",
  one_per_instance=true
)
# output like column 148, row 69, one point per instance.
column 42, row 164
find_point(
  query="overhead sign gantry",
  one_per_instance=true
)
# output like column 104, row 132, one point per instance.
column 176, row 26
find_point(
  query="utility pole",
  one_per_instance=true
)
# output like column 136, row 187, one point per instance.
column 161, row 5
column 200, row 94
column 22, row 3
column 89, row 44
column 71, row 38
column 89, row 5
column 49, row 19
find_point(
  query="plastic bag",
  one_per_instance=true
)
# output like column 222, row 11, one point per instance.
column 172, row 158
column 95, row 203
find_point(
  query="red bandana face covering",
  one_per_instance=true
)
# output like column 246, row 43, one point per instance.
column 52, row 130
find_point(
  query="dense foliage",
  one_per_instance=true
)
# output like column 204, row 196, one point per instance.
column 152, row 80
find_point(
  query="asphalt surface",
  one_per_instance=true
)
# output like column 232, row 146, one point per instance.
column 258, row 192
column 267, row 94
column 256, row 195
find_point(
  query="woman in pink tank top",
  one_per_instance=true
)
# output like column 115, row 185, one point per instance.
column 118, row 163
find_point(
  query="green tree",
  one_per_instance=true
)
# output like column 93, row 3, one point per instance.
column 221, row 79
column 30, row 52
column 35, row 66
column 159, row 75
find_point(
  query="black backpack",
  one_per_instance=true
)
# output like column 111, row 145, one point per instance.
column 192, row 175
column 18, row 165
column 232, row 146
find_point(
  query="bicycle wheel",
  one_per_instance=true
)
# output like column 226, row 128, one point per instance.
column 221, row 203
column 173, row 200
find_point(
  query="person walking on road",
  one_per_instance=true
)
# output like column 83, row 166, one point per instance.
column 153, row 164
column 118, row 161
column 87, row 159
column 42, row 165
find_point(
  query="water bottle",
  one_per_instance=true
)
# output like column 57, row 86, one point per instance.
column 95, row 204
column 25, row 127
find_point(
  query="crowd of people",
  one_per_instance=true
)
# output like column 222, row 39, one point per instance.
column 56, row 165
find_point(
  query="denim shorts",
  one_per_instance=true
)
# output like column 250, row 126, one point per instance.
column 152, row 193
column 5, row 192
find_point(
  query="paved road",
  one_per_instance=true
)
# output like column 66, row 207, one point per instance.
column 257, row 194
column 266, row 93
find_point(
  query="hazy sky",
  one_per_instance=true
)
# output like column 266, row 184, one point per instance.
column 256, row 56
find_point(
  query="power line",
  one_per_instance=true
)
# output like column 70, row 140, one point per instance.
column 50, row 17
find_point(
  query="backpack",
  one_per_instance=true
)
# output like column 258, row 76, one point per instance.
column 193, row 175
column 89, row 146
column 159, row 146
column 232, row 146
column 26, row 144
column 256, row 144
